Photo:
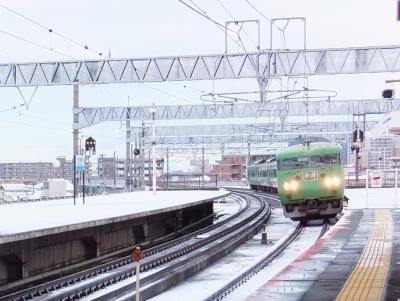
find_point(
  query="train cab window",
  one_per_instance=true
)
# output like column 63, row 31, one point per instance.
column 324, row 160
column 293, row 163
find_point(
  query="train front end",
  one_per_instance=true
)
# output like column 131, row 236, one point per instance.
column 311, row 180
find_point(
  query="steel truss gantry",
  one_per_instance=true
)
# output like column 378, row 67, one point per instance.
column 263, row 64
column 217, row 149
column 95, row 115
column 273, row 130
column 242, row 134
column 264, row 140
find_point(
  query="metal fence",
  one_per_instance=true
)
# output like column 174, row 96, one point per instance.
column 187, row 181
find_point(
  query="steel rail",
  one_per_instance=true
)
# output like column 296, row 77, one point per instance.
column 205, row 257
column 93, row 286
column 176, row 272
column 54, row 285
column 257, row 267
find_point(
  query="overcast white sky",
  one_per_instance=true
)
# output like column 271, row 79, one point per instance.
column 157, row 28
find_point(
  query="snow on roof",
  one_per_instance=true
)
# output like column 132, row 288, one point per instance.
column 14, row 187
column 58, row 213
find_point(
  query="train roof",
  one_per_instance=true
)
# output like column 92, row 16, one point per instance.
column 308, row 149
column 263, row 161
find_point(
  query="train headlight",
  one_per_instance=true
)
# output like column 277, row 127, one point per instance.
column 294, row 185
column 328, row 182
column 286, row 186
column 335, row 181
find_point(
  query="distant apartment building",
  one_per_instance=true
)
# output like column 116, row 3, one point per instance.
column 110, row 167
column 65, row 170
column 230, row 168
column 28, row 171
column 36, row 171
column 113, row 168
column 379, row 153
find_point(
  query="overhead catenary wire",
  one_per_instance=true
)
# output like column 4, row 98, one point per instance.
column 50, row 30
column 219, row 25
column 35, row 43
column 167, row 93
column 234, row 19
column 264, row 16
column 5, row 57
column 50, row 128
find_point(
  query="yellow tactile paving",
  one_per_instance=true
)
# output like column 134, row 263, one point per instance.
column 368, row 278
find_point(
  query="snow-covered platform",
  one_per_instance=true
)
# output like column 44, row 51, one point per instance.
column 355, row 260
column 28, row 220
column 36, row 237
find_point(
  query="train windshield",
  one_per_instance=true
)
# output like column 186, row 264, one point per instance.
column 293, row 163
column 324, row 160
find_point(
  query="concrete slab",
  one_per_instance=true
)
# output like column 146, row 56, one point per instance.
column 29, row 220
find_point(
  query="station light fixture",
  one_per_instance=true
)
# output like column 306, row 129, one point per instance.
column 388, row 93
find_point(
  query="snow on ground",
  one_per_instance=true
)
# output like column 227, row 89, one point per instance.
column 373, row 198
column 223, row 209
column 227, row 208
column 217, row 275
column 225, row 269
column 25, row 217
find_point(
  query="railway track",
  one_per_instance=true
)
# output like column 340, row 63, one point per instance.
column 261, row 264
column 189, row 248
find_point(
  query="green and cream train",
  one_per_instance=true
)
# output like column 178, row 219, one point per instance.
column 308, row 178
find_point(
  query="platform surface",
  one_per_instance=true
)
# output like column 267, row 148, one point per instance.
column 357, row 259
column 27, row 220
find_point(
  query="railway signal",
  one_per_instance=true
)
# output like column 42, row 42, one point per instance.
column 358, row 136
column 137, row 256
column 90, row 145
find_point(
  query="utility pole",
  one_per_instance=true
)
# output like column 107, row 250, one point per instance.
column 154, row 181
column 128, row 164
column 247, row 160
column 142, row 157
column 133, row 170
column 115, row 169
column 75, row 139
column 202, row 165
column 167, row 166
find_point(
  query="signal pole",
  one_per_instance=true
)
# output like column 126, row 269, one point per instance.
column 142, row 157
column 154, row 181
column 75, row 139
column 137, row 255
column 128, row 153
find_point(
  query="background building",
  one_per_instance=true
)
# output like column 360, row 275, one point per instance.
column 28, row 171
column 230, row 168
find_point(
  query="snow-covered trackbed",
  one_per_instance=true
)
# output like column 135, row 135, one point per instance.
column 209, row 244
